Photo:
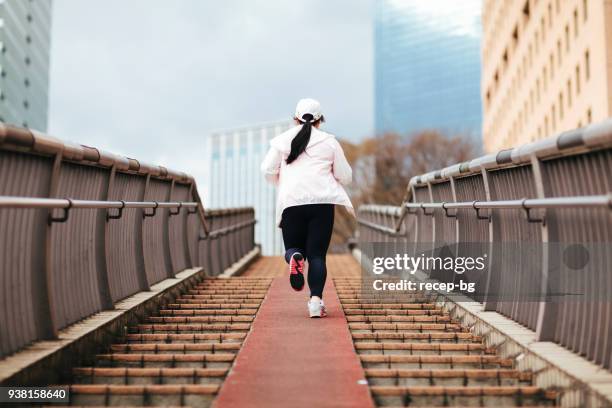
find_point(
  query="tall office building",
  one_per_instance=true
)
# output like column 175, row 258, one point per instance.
column 427, row 66
column 25, row 34
column 547, row 68
column 233, row 177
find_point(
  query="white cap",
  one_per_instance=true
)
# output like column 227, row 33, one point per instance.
column 308, row 106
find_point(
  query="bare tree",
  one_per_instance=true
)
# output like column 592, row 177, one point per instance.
column 383, row 166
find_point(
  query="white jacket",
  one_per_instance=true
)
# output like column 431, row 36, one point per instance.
column 315, row 177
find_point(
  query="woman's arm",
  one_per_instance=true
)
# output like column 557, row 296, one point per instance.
column 341, row 168
column 270, row 166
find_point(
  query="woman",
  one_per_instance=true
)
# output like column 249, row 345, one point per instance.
column 308, row 166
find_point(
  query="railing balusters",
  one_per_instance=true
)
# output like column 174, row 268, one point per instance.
column 53, row 274
column 540, row 197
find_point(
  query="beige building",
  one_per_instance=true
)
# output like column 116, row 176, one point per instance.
column 546, row 68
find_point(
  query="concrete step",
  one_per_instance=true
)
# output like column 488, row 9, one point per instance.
column 422, row 348
column 231, row 337
column 145, row 376
column 191, row 328
column 174, row 348
column 405, row 327
column 389, row 306
column 200, row 319
column 143, row 395
column 393, row 312
column 433, row 361
column 224, row 297
column 398, row 319
column 183, row 300
column 213, row 306
column 457, row 396
column 430, row 337
column 227, row 292
column 448, row 378
column 208, row 312
column 144, row 360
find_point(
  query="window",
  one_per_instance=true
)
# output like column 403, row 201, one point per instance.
column 575, row 22
column 28, row 39
column 557, row 6
column 553, row 118
column 546, row 125
column 26, row 104
column 530, row 55
column 561, row 106
column 27, row 60
column 29, row 18
column 26, row 82
column 543, row 28
column 567, row 38
column 552, row 66
column 577, row 80
column 559, row 52
column 584, row 10
column 589, row 116
column 538, row 90
column 549, row 15
column 587, row 63
column 569, row 93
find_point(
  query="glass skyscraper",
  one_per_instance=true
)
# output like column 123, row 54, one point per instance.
column 25, row 36
column 427, row 66
column 233, row 177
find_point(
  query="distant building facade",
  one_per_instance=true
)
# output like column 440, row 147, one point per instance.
column 427, row 66
column 233, row 177
column 25, row 37
column 547, row 68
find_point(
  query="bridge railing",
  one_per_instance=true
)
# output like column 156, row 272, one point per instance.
column 538, row 196
column 81, row 229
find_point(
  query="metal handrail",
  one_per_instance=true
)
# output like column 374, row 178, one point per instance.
column 68, row 204
column 386, row 230
column 594, row 201
column 226, row 230
column 31, row 202
column 531, row 203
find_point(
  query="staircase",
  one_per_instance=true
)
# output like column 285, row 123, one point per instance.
column 180, row 356
column 414, row 354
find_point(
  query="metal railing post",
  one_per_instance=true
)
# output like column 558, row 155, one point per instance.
column 547, row 311
column 100, row 256
column 46, row 312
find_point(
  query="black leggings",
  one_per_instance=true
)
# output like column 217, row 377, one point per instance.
column 307, row 229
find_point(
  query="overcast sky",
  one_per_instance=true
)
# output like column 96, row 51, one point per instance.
column 150, row 78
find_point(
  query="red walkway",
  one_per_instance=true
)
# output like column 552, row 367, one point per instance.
column 291, row 360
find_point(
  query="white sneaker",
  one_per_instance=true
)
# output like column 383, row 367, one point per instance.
column 316, row 308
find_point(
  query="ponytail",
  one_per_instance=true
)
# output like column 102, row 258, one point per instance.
column 300, row 141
